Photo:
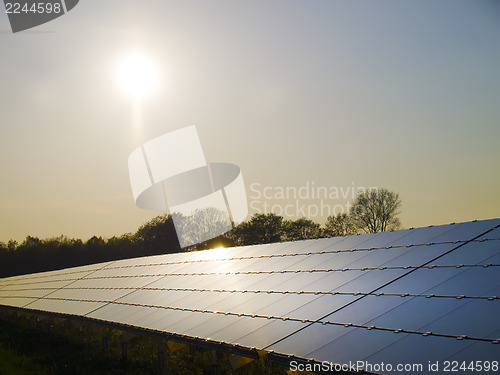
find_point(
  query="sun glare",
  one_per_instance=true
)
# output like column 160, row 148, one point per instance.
column 137, row 75
column 215, row 254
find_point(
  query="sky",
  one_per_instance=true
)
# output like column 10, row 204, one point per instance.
column 337, row 95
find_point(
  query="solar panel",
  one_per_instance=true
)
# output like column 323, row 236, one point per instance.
column 402, row 297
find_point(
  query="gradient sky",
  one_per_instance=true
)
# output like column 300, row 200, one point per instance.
column 396, row 94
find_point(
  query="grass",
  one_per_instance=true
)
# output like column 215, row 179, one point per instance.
column 13, row 362
column 28, row 346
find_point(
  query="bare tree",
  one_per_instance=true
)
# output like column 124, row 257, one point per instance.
column 202, row 225
column 376, row 211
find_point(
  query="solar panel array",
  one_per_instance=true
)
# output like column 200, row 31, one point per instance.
column 413, row 296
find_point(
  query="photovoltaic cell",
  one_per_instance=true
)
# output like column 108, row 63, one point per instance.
column 418, row 349
column 409, row 296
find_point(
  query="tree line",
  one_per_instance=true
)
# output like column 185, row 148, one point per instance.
column 372, row 211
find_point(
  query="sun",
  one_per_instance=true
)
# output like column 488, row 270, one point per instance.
column 137, row 75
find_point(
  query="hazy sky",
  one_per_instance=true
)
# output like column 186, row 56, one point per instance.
column 343, row 94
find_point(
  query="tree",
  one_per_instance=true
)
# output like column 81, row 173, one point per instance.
column 261, row 228
column 158, row 236
column 201, row 226
column 376, row 210
column 95, row 242
column 340, row 225
column 12, row 245
column 301, row 229
column 31, row 242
